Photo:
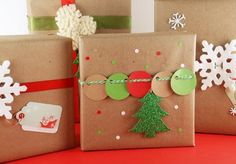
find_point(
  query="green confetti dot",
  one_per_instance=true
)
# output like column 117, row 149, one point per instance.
column 113, row 62
column 180, row 44
column 146, row 67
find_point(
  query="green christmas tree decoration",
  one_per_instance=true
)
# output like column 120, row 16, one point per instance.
column 150, row 117
column 76, row 62
column 77, row 74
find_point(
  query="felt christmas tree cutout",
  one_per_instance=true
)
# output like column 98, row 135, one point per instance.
column 150, row 117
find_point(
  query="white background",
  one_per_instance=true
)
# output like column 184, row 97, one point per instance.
column 13, row 16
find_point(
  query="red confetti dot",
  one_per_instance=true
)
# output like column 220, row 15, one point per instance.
column 139, row 89
column 158, row 53
column 99, row 112
column 87, row 58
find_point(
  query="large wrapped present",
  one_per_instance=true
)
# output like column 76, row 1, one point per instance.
column 36, row 102
column 111, row 15
column 212, row 21
column 137, row 90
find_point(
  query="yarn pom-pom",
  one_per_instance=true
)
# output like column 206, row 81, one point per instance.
column 72, row 24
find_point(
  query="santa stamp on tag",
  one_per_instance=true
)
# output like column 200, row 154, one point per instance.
column 38, row 117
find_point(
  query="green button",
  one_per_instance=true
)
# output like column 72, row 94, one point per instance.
column 116, row 86
column 183, row 82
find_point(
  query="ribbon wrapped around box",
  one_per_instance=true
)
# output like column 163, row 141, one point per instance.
column 36, row 103
column 111, row 15
column 137, row 90
column 213, row 22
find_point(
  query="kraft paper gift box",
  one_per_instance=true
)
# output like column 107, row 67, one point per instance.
column 111, row 15
column 212, row 21
column 116, row 111
column 41, row 118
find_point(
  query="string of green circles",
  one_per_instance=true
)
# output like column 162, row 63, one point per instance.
column 119, row 86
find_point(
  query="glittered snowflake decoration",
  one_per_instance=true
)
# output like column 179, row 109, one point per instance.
column 233, row 111
column 72, row 24
column 177, row 21
column 7, row 90
column 217, row 65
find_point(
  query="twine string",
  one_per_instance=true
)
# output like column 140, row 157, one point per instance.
column 122, row 81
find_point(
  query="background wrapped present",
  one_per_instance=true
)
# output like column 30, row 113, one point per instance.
column 43, row 116
column 111, row 15
column 106, row 123
column 212, row 20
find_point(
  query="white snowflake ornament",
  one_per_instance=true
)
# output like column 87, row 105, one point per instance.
column 233, row 111
column 7, row 90
column 177, row 21
column 217, row 65
column 72, row 24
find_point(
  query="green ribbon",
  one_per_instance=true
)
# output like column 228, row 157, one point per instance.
column 113, row 22
column 45, row 23
column 42, row 23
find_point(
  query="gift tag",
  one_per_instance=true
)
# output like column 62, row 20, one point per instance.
column 231, row 93
column 38, row 117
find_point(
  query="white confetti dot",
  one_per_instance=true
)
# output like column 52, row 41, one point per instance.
column 123, row 113
column 182, row 65
column 118, row 137
column 136, row 51
column 176, row 107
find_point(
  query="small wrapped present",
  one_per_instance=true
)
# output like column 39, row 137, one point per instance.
column 137, row 90
column 36, row 102
column 73, row 18
column 110, row 15
column 213, row 22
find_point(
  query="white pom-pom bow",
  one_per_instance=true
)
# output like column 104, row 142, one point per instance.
column 72, row 24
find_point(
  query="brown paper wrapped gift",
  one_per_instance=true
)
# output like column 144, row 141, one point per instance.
column 111, row 15
column 44, row 65
column 106, row 124
column 213, row 21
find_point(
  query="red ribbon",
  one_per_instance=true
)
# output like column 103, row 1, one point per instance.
column 49, row 85
column 67, row 2
column 76, row 90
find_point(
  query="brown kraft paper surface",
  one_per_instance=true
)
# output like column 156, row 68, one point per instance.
column 211, row 20
column 102, row 49
column 35, row 59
